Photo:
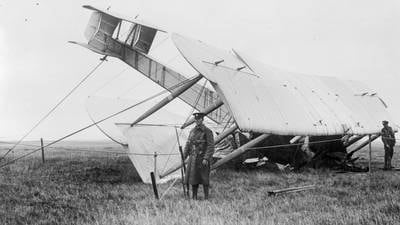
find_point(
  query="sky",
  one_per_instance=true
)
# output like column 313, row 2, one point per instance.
column 349, row 39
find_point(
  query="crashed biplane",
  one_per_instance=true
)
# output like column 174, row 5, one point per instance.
column 250, row 103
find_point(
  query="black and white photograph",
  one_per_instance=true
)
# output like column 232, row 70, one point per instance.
column 207, row 112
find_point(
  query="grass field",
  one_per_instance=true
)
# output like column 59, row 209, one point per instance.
column 75, row 187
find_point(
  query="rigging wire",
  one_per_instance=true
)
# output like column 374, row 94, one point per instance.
column 102, row 131
column 152, row 155
column 197, row 101
column 295, row 144
column 55, row 107
column 69, row 93
column 187, row 118
column 93, row 151
column 125, row 92
column 111, row 80
column 227, row 123
column 94, row 124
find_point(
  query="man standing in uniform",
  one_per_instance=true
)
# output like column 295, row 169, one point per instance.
column 199, row 148
column 389, row 141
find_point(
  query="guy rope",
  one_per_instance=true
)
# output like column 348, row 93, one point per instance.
column 55, row 107
column 95, row 123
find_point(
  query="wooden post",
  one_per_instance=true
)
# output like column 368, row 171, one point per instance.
column 183, row 174
column 183, row 168
column 370, row 154
column 153, row 176
column 153, row 182
column 155, row 164
column 42, row 146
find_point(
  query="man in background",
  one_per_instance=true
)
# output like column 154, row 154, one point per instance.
column 389, row 141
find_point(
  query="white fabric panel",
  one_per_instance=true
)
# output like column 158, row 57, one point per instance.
column 268, row 100
column 122, row 17
column 93, row 23
column 147, row 139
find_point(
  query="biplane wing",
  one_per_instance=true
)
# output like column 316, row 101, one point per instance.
column 268, row 100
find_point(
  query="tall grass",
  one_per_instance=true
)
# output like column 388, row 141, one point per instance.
column 92, row 188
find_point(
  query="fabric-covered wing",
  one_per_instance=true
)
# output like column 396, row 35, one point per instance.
column 145, row 140
column 267, row 100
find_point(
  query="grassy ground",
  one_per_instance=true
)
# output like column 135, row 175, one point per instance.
column 103, row 188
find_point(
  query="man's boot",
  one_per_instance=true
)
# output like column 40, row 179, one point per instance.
column 194, row 191
column 206, row 191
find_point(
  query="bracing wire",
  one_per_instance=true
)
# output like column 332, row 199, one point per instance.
column 92, row 151
column 110, row 80
column 197, row 101
column 95, row 123
column 152, row 155
column 68, row 94
column 187, row 118
column 54, row 108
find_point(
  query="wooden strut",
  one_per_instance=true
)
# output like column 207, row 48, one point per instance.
column 291, row 190
column 362, row 145
column 295, row 139
column 206, row 111
column 216, row 141
column 242, row 149
column 168, row 99
column 354, row 140
column 225, row 134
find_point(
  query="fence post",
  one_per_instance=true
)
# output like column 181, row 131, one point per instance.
column 154, row 176
column 42, row 146
column 153, row 182
column 370, row 155
column 155, row 164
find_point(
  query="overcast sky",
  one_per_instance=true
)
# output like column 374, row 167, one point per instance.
column 350, row 39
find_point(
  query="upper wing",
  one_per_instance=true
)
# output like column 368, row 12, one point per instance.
column 268, row 100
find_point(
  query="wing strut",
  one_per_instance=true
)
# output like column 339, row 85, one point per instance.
column 242, row 149
column 362, row 145
column 206, row 111
column 168, row 99
column 354, row 140
column 224, row 134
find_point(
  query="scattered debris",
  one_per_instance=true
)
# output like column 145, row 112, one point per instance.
column 291, row 190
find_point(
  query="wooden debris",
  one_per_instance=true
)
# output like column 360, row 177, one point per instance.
column 291, row 190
